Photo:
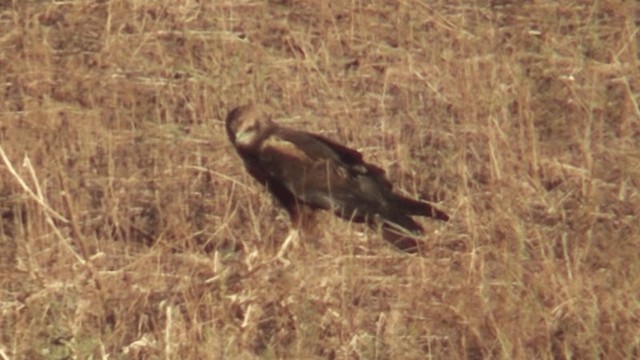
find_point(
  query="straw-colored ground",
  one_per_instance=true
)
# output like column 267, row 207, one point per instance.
column 130, row 230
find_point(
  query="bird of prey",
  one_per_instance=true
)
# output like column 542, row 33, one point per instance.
column 302, row 169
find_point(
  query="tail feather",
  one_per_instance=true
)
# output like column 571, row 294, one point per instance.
column 399, row 240
column 401, row 231
column 420, row 208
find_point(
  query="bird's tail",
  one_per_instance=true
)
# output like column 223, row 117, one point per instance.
column 414, row 207
column 401, row 231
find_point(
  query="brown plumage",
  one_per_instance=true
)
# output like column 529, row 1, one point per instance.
column 304, row 169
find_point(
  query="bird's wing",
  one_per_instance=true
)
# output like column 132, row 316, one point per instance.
column 324, row 174
column 318, row 146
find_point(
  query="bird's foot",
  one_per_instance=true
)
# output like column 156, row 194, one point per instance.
column 290, row 241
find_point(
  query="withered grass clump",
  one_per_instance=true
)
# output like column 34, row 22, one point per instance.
column 129, row 228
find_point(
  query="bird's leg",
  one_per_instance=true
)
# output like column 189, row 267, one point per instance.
column 292, row 238
column 302, row 223
column 296, row 215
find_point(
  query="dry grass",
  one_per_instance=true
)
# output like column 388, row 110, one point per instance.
column 129, row 228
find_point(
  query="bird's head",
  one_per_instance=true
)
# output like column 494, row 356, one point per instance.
column 247, row 124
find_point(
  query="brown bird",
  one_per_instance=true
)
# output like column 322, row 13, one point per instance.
column 303, row 169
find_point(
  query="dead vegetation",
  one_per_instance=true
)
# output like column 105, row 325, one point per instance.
column 129, row 228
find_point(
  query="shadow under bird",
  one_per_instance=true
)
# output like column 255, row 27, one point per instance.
column 303, row 169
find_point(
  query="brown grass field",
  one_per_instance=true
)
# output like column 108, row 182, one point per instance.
column 129, row 228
